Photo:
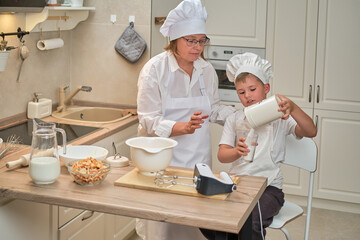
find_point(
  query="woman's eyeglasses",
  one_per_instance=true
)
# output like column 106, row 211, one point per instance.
column 193, row 42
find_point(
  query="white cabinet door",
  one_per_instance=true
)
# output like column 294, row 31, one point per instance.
column 88, row 225
column 119, row 227
column 25, row 220
column 338, row 56
column 291, row 48
column 236, row 23
column 337, row 176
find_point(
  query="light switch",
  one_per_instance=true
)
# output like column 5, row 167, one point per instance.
column 113, row 18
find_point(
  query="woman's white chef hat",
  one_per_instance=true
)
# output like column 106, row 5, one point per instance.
column 251, row 63
column 188, row 18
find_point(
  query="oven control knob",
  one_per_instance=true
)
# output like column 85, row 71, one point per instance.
column 214, row 53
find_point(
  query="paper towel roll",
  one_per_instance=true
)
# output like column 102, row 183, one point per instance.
column 50, row 44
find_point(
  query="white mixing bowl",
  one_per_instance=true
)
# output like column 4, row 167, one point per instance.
column 151, row 154
column 80, row 152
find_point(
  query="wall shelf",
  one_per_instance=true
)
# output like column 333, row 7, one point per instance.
column 53, row 18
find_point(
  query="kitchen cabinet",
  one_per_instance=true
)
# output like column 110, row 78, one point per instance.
column 88, row 225
column 314, row 50
column 338, row 176
column 236, row 23
column 26, row 220
column 229, row 23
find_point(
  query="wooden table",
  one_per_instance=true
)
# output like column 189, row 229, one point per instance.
column 221, row 215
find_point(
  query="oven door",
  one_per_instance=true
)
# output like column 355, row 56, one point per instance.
column 227, row 89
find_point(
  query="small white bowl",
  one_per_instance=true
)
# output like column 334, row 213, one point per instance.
column 151, row 154
column 81, row 152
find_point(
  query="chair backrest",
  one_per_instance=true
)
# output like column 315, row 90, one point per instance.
column 301, row 153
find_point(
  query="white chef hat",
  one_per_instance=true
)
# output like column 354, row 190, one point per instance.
column 251, row 63
column 188, row 18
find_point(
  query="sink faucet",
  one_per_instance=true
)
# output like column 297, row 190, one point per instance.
column 63, row 101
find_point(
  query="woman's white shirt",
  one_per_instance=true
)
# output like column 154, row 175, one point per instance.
column 153, row 88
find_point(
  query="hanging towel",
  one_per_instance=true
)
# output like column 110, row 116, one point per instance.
column 130, row 45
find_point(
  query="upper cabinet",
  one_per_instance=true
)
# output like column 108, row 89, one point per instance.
column 55, row 18
column 236, row 23
column 230, row 23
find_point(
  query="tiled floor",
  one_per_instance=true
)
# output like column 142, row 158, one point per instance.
column 325, row 225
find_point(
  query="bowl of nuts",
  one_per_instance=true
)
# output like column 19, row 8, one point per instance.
column 89, row 171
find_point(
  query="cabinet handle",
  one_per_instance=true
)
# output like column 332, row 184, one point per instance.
column 318, row 94
column 87, row 217
column 316, row 122
column 310, row 91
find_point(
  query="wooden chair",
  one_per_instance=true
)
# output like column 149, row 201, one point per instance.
column 302, row 154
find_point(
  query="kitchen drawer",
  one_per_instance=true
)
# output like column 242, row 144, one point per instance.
column 66, row 214
column 88, row 225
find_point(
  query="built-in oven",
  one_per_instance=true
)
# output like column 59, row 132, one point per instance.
column 219, row 56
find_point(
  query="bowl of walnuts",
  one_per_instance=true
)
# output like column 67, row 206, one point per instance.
column 89, row 171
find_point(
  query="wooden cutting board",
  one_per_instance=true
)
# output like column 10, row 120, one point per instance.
column 134, row 179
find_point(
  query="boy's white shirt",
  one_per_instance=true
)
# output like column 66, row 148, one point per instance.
column 282, row 128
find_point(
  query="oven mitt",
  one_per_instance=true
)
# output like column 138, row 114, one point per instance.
column 130, row 45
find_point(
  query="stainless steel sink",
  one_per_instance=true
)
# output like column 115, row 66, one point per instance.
column 92, row 114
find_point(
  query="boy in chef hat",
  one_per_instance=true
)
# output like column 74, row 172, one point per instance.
column 251, row 75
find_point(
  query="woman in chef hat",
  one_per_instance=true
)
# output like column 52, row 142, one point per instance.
column 177, row 97
column 251, row 75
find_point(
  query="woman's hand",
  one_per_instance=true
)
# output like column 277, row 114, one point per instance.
column 181, row 128
column 195, row 122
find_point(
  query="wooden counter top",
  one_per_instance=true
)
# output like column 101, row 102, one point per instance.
column 225, row 215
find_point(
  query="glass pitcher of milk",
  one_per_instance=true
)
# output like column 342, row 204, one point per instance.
column 44, row 167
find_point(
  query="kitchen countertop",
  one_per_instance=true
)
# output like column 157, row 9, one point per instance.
column 225, row 215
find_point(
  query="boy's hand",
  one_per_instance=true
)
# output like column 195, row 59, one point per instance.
column 241, row 148
column 286, row 106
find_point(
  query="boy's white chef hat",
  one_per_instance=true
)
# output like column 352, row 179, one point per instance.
column 188, row 18
column 251, row 63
